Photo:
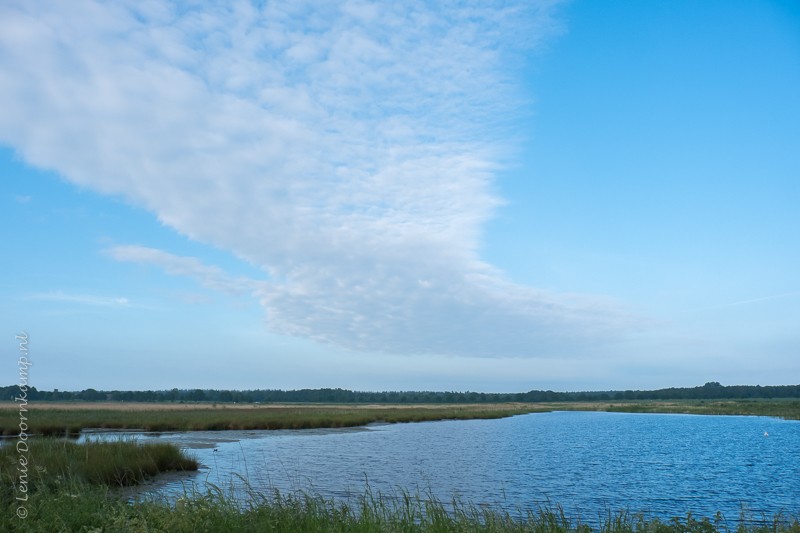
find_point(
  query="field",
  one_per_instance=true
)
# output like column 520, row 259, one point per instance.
column 70, row 418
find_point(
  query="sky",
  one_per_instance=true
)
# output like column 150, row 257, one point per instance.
column 484, row 196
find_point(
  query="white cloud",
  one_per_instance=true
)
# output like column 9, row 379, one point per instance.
column 209, row 276
column 348, row 149
column 81, row 299
column 766, row 298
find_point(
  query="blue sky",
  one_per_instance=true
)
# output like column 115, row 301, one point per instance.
column 544, row 195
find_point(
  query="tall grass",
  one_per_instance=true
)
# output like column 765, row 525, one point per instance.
column 96, row 508
column 165, row 417
column 788, row 408
column 125, row 462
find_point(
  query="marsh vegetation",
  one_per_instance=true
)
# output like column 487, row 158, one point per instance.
column 69, row 418
column 50, row 463
column 81, row 506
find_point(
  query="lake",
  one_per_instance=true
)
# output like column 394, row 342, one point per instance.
column 660, row 464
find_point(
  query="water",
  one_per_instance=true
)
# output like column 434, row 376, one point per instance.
column 589, row 463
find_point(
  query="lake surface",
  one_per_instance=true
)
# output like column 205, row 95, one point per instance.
column 589, row 463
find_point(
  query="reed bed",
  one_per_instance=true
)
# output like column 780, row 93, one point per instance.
column 786, row 408
column 70, row 421
column 55, row 462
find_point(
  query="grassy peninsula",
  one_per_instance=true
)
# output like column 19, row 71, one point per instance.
column 69, row 418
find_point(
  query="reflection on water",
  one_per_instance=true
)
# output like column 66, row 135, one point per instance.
column 665, row 465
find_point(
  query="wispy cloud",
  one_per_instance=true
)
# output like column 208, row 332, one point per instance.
column 209, row 276
column 740, row 303
column 348, row 149
column 81, row 299
column 765, row 298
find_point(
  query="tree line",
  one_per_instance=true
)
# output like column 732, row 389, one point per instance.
column 709, row 391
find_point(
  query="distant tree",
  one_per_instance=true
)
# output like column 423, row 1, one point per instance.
column 225, row 396
column 91, row 395
column 197, row 395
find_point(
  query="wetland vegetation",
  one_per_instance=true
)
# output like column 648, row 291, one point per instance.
column 69, row 418
column 52, row 462
column 97, row 509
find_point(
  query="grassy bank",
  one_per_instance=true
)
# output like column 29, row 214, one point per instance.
column 50, row 463
column 70, row 419
column 55, row 478
column 61, row 419
column 788, row 409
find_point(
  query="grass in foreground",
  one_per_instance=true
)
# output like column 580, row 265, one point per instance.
column 92, row 508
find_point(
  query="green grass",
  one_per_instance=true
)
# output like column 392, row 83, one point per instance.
column 54, row 462
column 96, row 508
column 788, row 409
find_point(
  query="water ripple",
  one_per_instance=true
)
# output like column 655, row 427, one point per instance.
column 590, row 463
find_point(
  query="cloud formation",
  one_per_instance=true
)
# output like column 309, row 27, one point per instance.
column 81, row 299
column 208, row 276
column 348, row 149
